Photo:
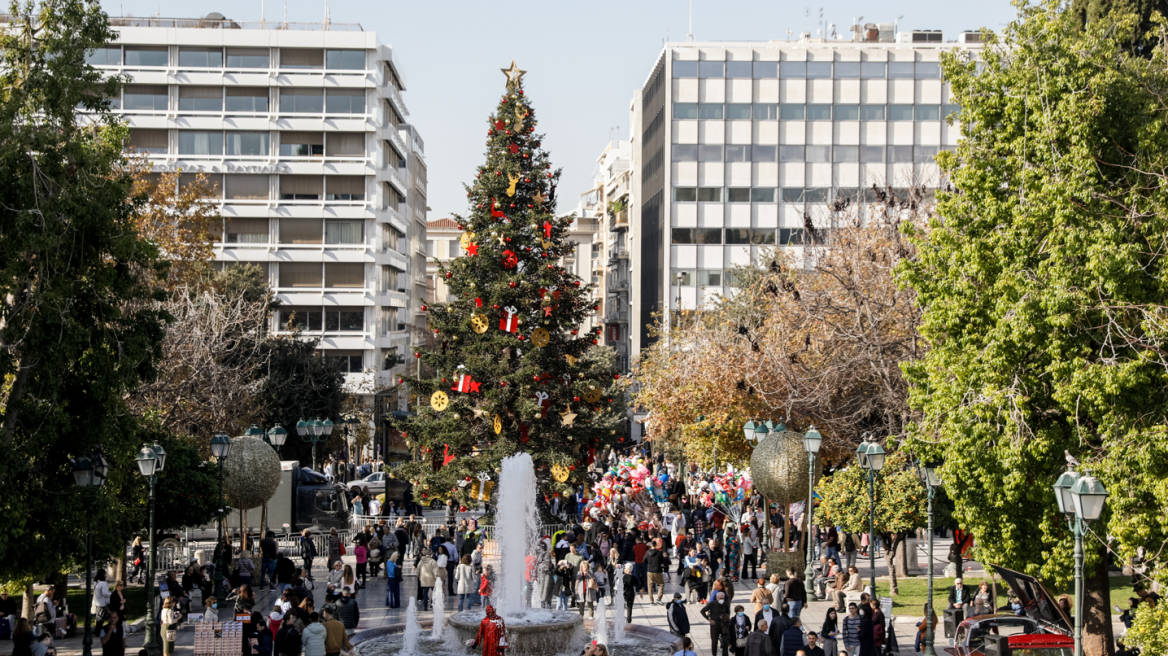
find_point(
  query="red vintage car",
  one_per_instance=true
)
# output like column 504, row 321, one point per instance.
column 1044, row 630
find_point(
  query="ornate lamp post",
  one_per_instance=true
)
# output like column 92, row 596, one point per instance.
column 871, row 458
column 275, row 436
column 220, row 448
column 151, row 461
column 811, row 441
column 932, row 479
column 1081, row 499
column 89, row 472
column 314, row 431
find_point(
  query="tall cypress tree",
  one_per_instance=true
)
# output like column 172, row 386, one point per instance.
column 510, row 374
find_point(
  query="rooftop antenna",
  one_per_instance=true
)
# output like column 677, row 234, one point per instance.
column 896, row 26
column 690, row 36
column 285, row 14
column 263, row 17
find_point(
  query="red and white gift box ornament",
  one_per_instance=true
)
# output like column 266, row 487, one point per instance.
column 509, row 322
column 542, row 400
column 466, row 384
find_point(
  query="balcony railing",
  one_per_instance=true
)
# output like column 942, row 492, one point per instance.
column 224, row 24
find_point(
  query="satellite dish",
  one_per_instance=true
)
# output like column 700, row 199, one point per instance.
column 215, row 16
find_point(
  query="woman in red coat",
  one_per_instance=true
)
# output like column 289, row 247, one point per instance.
column 492, row 635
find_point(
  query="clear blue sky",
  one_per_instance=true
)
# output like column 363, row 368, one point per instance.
column 584, row 60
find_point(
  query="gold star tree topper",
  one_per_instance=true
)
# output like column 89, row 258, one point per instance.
column 514, row 75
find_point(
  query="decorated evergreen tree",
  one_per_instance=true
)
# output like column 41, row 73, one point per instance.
column 509, row 361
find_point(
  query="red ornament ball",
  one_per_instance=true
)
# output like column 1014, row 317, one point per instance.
column 577, row 283
column 576, row 399
column 511, row 284
column 425, row 496
column 573, row 332
column 508, row 239
column 549, row 174
column 571, row 467
column 551, row 266
column 424, row 308
column 512, row 205
column 536, row 377
column 498, row 173
column 593, row 341
column 417, row 355
column 527, row 179
column 400, row 381
column 468, row 479
column 495, row 307
column 462, row 508
column 619, row 440
column 449, row 274
column 529, row 207
column 616, row 376
column 502, row 383
column 521, row 339
column 521, row 92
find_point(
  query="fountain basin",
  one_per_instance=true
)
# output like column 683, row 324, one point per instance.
column 533, row 633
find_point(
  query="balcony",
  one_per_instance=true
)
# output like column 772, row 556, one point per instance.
column 618, row 221
column 618, row 253
column 618, row 285
column 614, row 316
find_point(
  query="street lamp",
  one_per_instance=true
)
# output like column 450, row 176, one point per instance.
column 220, row 448
column 871, row 458
column 314, row 431
column 89, row 471
column 932, row 480
column 151, row 461
column 811, row 441
column 1081, row 499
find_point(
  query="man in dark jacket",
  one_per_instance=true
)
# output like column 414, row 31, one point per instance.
column 656, row 564
column 758, row 643
column 792, row 639
column 285, row 570
column 796, row 594
column 780, row 624
column 268, row 561
column 959, row 595
column 288, row 640
column 347, row 611
column 678, row 618
column 717, row 613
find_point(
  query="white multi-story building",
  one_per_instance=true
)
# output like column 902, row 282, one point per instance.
column 736, row 146
column 322, row 182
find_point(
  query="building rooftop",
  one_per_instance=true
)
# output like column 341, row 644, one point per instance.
column 442, row 224
column 217, row 21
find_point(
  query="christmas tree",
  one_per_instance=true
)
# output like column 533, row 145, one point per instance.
column 512, row 367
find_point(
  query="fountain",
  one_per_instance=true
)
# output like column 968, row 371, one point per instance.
column 618, row 608
column 600, row 626
column 410, row 635
column 439, row 613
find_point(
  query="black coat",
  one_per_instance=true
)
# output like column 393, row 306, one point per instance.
column 796, row 591
column 776, row 629
column 965, row 595
column 719, row 614
column 678, row 618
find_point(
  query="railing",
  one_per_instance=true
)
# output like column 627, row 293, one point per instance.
column 223, row 24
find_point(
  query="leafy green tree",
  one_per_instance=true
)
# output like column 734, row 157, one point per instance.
column 512, row 327
column 1099, row 11
column 79, row 319
column 300, row 384
column 1149, row 630
column 1043, row 292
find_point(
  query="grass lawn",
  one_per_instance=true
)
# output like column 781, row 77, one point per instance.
column 135, row 602
column 914, row 591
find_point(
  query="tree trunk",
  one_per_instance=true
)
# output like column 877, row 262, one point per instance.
column 120, row 567
column 890, row 547
column 1097, row 634
column 29, row 601
column 242, row 531
column 264, row 521
column 61, row 587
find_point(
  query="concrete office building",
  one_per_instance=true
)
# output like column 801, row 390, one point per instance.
column 321, row 180
column 734, row 144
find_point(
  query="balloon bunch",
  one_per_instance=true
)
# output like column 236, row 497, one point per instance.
column 726, row 489
column 627, row 488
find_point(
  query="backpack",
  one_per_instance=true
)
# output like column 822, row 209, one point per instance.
column 849, row 543
column 41, row 613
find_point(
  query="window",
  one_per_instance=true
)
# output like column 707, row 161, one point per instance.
column 788, row 112
column 793, row 70
column 847, row 112
column 152, row 142
column 389, row 279
column 107, row 56
column 301, row 101
column 247, row 99
column 328, row 502
column 345, row 187
column 792, row 154
column 213, row 181
column 873, row 70
column 246, row 187
column 738, row 194
column 900, row 112
column 301, row 144
column 871, row 154
column 248, row 144
column 391, row 358
column 928, row 71
column 819, row 70
column 344, row 275
column 192, row 142
column 697, row 236
column 871, row 112
column 738, row 69
column 819, row 112
column 764, row 70
column 791, row 236
column 762, row 195
column 144, row 97
column 818, row 154
column 200, row 57
column 847, row 70
column 950, row 110
column 766, row 111
column 301, row 58
column 925, row 154
column 685, row 152
column 737, row 153
column 301, row 187
column 684, row 277
column 345, row 60
column 709, row 194
column 792, row 194
column 247, row 58
column 685, row 194
column 348, row 362
column 762, row 153
column 300, row 231
column 901, row 70
column 710, row 111
column 146, row 56
column 847, row 154
column 709, row 277
column 430, row 248
column 242, row 230
column 200, row 99
column 685, row 69
column 710, row 69
column 345, row 101
column 685, row 110
column 846, row 193
column 346, row 144
column 709, row 153
column 308, row 319
column 344, row 320
column 738, row 111
column 900, row 154
column 928, row 112
column 756, row 236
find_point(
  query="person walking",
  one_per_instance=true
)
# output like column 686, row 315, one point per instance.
column 677, row 615
column 307, row 552
column 796, row 593
column 761, row 596
column 586, row 590
column 427, row 573
column 565, row 578
column 740, row 626
column 717, row 613
column 628, row 590
column 830, row 631
column 867, row 632
column 792, row 639
column 392, row 585
column 656, row 564
column 465, row 581
column 750, row 547
column 851, row 630
column 314, row 636
column 758, row 643
column 348, row 612
column 112, row 636
column 268, row 549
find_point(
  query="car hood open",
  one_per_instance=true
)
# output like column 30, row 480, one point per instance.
column 1037, row 602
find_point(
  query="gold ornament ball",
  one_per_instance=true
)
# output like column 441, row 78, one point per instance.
column 778, row 467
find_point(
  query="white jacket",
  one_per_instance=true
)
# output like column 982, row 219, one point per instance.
column 466, row 580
